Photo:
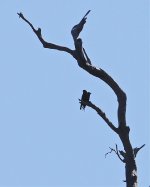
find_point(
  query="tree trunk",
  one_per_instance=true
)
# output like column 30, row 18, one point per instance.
column 131, row 173
column 129, row 158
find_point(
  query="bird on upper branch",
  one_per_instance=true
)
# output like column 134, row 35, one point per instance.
column 75, row 31
column 85, row 97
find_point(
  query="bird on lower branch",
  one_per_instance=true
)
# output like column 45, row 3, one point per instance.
column 85, row 98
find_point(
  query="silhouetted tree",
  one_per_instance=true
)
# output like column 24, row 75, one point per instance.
column 128, row 155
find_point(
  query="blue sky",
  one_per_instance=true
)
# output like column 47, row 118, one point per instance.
column 45, row 140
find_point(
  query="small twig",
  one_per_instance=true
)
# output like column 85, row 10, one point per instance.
column 117, row 153
column 22, row 16
column 88, row 59
column 111, row 150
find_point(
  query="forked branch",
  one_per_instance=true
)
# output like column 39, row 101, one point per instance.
column 86, row 64
column 116, row 151
column 46, row 44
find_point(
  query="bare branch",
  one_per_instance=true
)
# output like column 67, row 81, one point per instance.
column 116, row 152
column 46, row 44
column 101, row 113
column 137, row 149
column 111, row 150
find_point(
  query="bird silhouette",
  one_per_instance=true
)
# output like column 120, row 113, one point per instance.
column 75, row 31
column 85, row 97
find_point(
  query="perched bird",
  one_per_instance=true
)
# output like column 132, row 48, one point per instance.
column 78, row 28
column 85, row 97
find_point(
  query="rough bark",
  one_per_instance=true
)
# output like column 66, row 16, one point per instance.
column 121, row 129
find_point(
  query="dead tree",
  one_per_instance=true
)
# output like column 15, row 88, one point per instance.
column 128, row 155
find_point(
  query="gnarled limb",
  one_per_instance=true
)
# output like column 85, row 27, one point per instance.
column 86, row 65
column 46, row 44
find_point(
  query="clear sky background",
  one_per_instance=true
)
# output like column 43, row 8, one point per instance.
column 45, row 140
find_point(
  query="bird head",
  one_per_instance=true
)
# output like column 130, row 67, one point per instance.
column 84, row 91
